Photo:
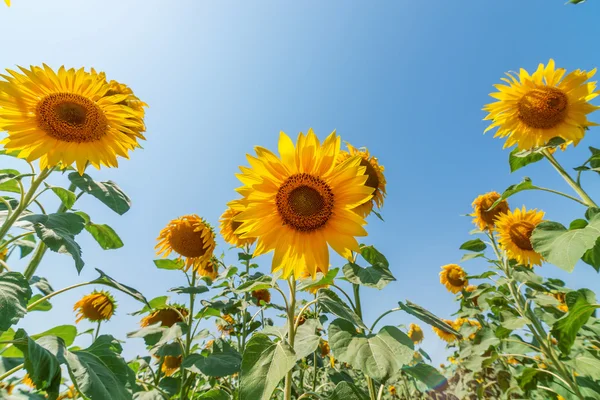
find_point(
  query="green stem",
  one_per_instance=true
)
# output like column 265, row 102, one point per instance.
column 188, row 338
column 10, row 372
column 34, row 304
column 358, row 310
column 244, row 328
column 141, row 382
column 383, row 315
column 291, row 334
column 97, row 330
column 562, row 194
column 14, row 239
column 314, row 386
column 584, row 196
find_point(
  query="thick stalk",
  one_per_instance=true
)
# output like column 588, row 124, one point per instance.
column 244, row 328
column 291, row 334
column 576, row 187
column 10, row 372
column 358, row 310
column 188, row 338
column 314, row 385
column 97, row 330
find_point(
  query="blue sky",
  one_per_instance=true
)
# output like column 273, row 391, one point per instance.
column 407, row 79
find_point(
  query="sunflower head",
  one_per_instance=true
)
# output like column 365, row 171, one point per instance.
column 171, row 364
column 210, row 269
column 514, row 230
column 532, row 109
column 512, row 361
column 375, row 177
column 459, row 322
column 96, row 306
column 301, row 201
column 27, row 381
column 191, row 237
column 415, row 333
column 226, row 324
column 167, row 316
column 392, row 390
column 485, row 219
column 229, row 226
column 262, row 295
column 453, row 277
column 66, row 117
column 561, row 297
column 324, row 347
column 446, row 336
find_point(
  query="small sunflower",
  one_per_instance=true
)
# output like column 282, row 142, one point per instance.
column 8, row 4
column 171, row 364
column 189, row 236
column 535, row 108
column 210, row 269
column 392, row 390
column 471, row 289
column 301, row 320
column 415, row 333
column 459, row 322
column 226, row 326
column 561, row 297
column 209, row 344
column 26, row 380
column 66, row 117
column 375, row 179
column 454, row 278
column 263, row 295
column 97, row 306
column 446, row 336
column 486, row 219
column 514, row 230
column 229, row 227
column 301, row 201
column 167, row 316
column 324, row 347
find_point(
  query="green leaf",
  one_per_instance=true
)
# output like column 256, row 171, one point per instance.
column 578, row 224
column 107, row 192
column 41, row 365
column 12, row 202
column 106, row 237
column 427, row 317
column 66, row 332
column 67, row 197
column 580, row 310
column 8, row 183
column 528, row 379
column 43, row 306
column 307, row 339
column 264, row 364
column 517, row 161
column 373, row 256
column 375, row 277
column 214, row 394
column 514, row 189
column 347, row 391
column 585, row 363
column 26, row 245
column 561, row 247
column 331, row 302
column 426, row 374
column 15, row 294
column 169, row 264
column 174, row 332
column 475, row 245
column 223, row 361
column 378, row 356
column 262, row 282
column 592, row 256
column 190, row 289
column 41, row 284
column 320, row 281
column 149, row 395
column 104, row 279
column 168, row 349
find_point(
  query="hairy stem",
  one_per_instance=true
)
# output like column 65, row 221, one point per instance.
column 582, row 193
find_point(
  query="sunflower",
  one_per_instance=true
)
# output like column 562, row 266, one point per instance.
column 66, row 117
column 375, row 180
column 8, row 4
column 301, row 319
column 415, row 333
column 171, row 364
column 167, row 316
column 226, row 326
column 512, row 361
column 532, row 109
column 459, row 322
column 453, row 277
column 229, row 226
column 452, row 360
column 210, row 269
column 26, row 380
column 447, row 336
column 189, row 236
column 324, row 347
column 262, row 294
column 417, row 358
column 392, row 390
column 301, row 201
column 561, row 297
column 4, row 254
column 209, row 344
column 514, row 230
column 486, row 219
column 8, row 387
column 95, row 307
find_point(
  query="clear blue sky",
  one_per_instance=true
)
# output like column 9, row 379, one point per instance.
column 408, row 79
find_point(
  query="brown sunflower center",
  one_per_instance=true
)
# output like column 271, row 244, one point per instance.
column 70, row 117
column 543, row 108
column 304, row 202
column 456, row 278
column 186, row 242
column 373, row 179
column 520, row 234
column 489, row 216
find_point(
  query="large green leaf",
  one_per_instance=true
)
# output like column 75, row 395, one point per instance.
column 514, row 189
column 518, row 160
column 580, row 310
column 592, row 256
column 41, row 365
column 375, row 277
column 104, row 279
column 307, row 339
column 347, row 391
column 374, row 257
column 426, row 374
column 563, row 247
column 106, row 237
column 264, row 364
column 58, row 232
column 262, row 282
column 67, row 333
column 107, row 192
column 66, row 197
column 223, row 361
column 473, row 245
column 378, row 356
column 586, row 363
column 320, row 281
column 331, row 302
column 190, row 289
column 14, row 296
column 427, row 317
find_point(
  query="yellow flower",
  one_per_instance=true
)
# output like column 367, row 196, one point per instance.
column 332, row 361
column 415, row 333
column 514, row 230
column 9, row 387
column 512, row 361
column 27, row 381
column 447, row 336
column 536, row 108
column 301, row 201
column 226, row 326
column 375, row 180
column 66, row 117
column 453, row 277
column 392, row 390
column 263, row 295
column 559, row 397
column 486, row 219
column 459, row 322
column 71, row 393
column 301, row 320
column 452, row 360
column 189, row 236
column 209, row 344
column 417, row 357
column 171, row 365
column 324, row 347
column 4, row 254
column 97, row 306
column 210, row 269
column 561, row 297
column 8, row 4
column 166, row 316
column 229, row 228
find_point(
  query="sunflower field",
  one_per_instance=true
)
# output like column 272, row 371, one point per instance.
column 272, row 295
